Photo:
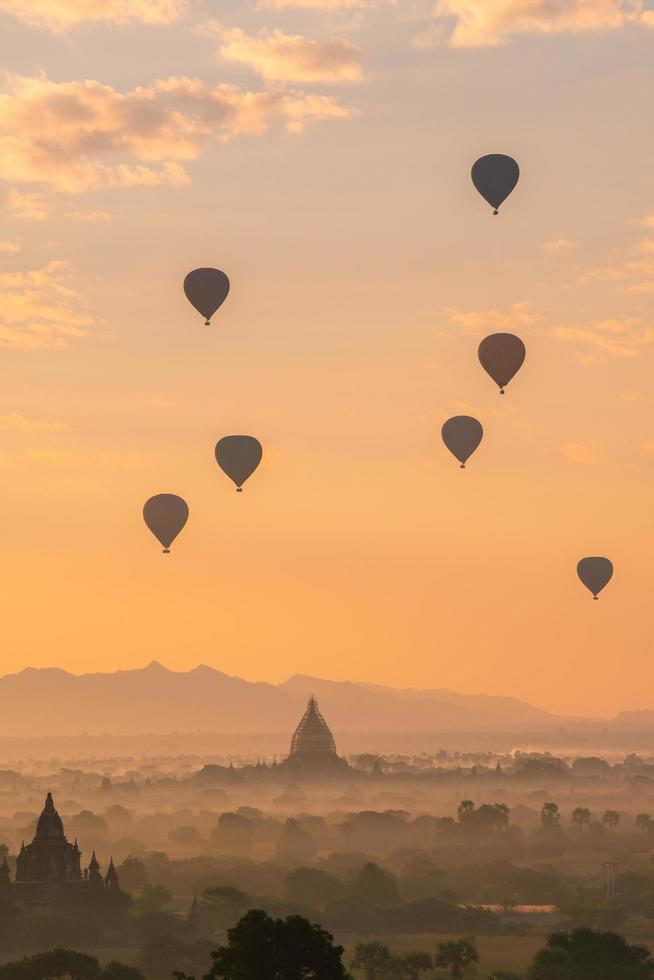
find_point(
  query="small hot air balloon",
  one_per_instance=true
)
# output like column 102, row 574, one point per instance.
column 595, row 573
column 165, row 515
column 495, row 176
column 238, row 457
column 501, row 355
column 206, row 290
column 462, row 434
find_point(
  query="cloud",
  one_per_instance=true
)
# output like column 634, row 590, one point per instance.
column 92, row 217
column 483, row 23
column 67, row 134
column 634, row 272
column 490, row 321
column 19, row 423
column 51, row 458
column 28, row 207
column 10, row 247
column 578, row 452
column 608, row 338
column 283, row 57
column 314, row 4
column 59, row 15
column 40, row 308
column 558, row 245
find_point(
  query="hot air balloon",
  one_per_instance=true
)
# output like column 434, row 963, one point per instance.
column 495, row 176
column 462, row 434
column 595, row 573
column 501, row 355
column 238, row 457
column 165, row 515
column 206, row 290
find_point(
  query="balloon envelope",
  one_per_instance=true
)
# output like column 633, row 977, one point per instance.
column 165, row 515
column 595, row 573
column 238, row 457
column 501, row 355
column 462, row 434
column 206, row 290
column 495, row 176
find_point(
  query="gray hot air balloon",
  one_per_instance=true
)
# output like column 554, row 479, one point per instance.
column 206, row 290
column 462, row 434
column 495, row 176
column 501, row 355
column 238, row 457
column 595, row 573
column 165, row 515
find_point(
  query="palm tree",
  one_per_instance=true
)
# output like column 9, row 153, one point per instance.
column 581, row 816
column 643, row 821
column 457, row 955
column 611, row 818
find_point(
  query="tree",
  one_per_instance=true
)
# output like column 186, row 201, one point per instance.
column 643, row 821
column 153, row 898
column 611, row 818
column 295, row 844
column 118, row 971
column 581, row 817
column 262, row 948
column 374, row 959
column 132, row 874
column 549, row 815
column 586, row 953
column 57, row 964
column 504, row 975
column 411, row 965
column 376, row 885
column 313, row 887
column 457, row 955
column 466, row 812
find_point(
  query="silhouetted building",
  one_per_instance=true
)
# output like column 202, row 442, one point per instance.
column 51, row 862
column 313, row 750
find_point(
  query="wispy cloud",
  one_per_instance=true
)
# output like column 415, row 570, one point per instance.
column 558, row 245
column 59, row 15
column 314, row 4
column 26, row 206
column 63, row 134
column 519, row 315
column 608, row 338
column 9, row 248
column 484, row 23
column 20, row 423
column 40, row 308
column 632, row 272
column 579, row 452
column 290, row 57
column 51, row 458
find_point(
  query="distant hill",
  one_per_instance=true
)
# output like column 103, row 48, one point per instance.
column 154, row 699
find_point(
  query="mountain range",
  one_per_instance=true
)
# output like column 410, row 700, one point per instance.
column 155, row 699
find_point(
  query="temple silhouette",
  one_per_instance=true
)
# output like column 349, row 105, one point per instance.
column 312, row 755
column 313, row 749
column 51, row 863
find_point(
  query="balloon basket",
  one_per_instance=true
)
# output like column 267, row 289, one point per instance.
column 239, row 489
column 166, row 551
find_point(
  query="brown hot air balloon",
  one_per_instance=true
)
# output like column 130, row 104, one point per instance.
column 165, row 514
column 462, row 434
column 501, row 355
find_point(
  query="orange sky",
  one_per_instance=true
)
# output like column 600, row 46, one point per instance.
column 319, row 152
